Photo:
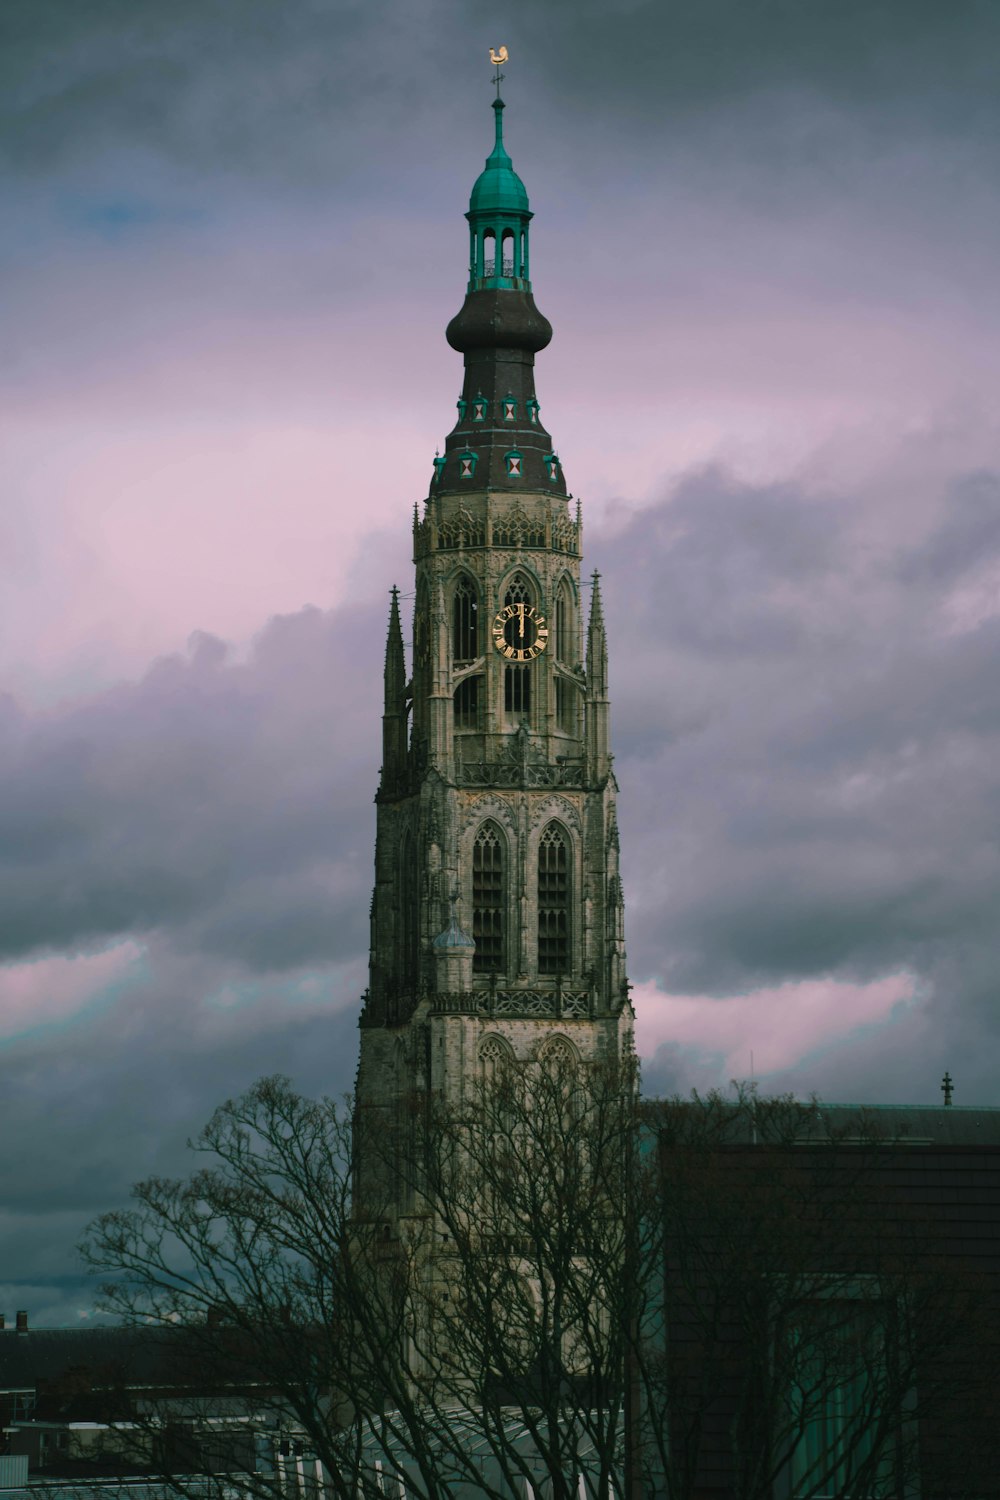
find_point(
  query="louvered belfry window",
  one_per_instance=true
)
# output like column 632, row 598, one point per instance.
column 553, row 902
column 488, row 900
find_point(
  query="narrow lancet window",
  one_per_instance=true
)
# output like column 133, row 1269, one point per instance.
column 488, row 900
column 566, row 701
column 467, row 700
column 465, row 622
column 517, row 691
column 553, row 902
column 507, row 253
column 563, row 617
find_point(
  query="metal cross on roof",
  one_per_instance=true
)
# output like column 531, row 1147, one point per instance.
column 947, row 1088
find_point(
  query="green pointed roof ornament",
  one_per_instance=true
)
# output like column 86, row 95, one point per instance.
column 498, row 189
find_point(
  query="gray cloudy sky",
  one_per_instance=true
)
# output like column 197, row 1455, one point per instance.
column 767, row 236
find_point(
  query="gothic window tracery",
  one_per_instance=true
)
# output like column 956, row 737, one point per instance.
column 488, row 896
column 553, row 901
column 559, row 1052
column 495, row 1056
column 515, row 529
column 519, row 591
column 460, row 530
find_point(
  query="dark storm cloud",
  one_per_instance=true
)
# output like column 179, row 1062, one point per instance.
column 815, row 711
column 120, row 1105
column 227, row 804
column 238, row 84
column 323, row 86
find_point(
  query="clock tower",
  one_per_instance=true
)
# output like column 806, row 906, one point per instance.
column 497, row 918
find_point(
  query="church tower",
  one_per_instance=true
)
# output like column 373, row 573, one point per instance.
column 497, row 919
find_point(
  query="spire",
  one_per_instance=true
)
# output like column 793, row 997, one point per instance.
column 597, row 642
column 498, row 442
column 597, row 714
column 395, row 660
column 498, row 219
column 394, row 713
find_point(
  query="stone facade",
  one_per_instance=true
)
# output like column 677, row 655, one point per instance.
column 497, row 917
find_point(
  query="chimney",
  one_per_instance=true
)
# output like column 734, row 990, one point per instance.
column 22, row 1322
column 3, row 1321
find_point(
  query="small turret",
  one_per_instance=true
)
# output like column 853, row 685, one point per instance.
column 498, row 221
column 453, row 954
column 498, row 442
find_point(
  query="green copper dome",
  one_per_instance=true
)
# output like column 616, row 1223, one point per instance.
column 498, row 189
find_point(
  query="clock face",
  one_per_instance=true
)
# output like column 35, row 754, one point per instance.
column 520, row 632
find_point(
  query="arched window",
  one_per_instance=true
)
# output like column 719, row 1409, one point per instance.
column 489, row 253
column 553, row 901
column 559, row 1052
column 566, row 706
column 494, row 1057
column 507, row 256
column 488, row 900
column 519, row 591
column 564, row 642
column 465, row 621
column 468, row 696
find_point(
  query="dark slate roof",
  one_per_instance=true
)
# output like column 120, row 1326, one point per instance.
column 902, row 1124
column 47, row 1353
column 114, row 1359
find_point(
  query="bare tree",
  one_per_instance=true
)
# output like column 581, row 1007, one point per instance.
column 760, row 1301
column 474, row 1340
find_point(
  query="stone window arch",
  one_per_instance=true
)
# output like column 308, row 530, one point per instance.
column 559, row 1057
column 554, row 900
column 495, row 1057
column 489, row 899
column 565, row 624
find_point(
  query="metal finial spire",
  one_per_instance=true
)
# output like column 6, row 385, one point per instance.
column 498, row 59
